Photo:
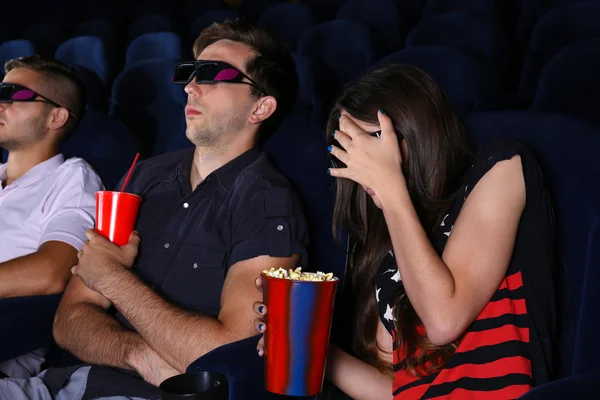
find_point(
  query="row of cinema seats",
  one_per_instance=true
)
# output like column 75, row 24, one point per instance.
column 361, row 35
column 551, row 77
column 510, row 37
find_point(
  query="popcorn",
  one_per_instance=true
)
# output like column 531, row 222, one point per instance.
column 298, row 275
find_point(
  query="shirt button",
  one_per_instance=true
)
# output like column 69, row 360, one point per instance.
column 195, row 265
column 279, row 228
column 185, row 205
column 166, row 245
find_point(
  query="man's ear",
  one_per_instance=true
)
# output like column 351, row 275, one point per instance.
column 265, row 107
column 58, row 118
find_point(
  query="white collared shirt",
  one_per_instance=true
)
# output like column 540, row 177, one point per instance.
column 55, row 200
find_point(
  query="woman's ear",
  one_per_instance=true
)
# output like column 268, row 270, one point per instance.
column 404, row 149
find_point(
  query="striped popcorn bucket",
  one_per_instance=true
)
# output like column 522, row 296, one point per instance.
column 298, row 319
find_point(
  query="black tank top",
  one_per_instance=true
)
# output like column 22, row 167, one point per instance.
column 507, row 349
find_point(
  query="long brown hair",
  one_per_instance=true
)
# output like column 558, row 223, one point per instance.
column 438, row 156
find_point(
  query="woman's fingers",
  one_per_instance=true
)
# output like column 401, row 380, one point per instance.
column 338, row 153
column 349, row 127
column 259, row 308
column 258, row 283
column 260, row 325
column 260, row 348
column 387, row 126
column 342, row 138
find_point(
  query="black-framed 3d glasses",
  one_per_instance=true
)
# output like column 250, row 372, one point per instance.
column 210, row 72
column 12, row 92
column 335, row 163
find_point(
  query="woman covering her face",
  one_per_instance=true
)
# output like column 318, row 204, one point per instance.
column 452, row 252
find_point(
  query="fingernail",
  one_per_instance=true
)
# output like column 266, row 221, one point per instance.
column 333, row 133
column 381, row 110
column 330, row 148
column 260, row 309
column 258, row 351
column 260, row 327
column 339, row 116
column 329, row 172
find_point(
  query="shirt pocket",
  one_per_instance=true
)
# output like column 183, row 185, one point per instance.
column 197, row 281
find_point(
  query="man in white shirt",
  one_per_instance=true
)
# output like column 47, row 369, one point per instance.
column 46, row 203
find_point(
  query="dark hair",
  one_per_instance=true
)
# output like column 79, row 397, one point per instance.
column 64, row 86
column 273, row 68
column 438, row 156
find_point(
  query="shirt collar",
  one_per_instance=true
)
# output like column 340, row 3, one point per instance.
column 2, row 172
column 229, row 172
column 226, row 174
column 36, row 173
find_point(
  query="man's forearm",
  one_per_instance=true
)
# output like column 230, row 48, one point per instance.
column 179, row 336
column 95, row 337
column 45, row 271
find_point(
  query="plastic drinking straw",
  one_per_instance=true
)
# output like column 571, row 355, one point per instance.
column 130, row 171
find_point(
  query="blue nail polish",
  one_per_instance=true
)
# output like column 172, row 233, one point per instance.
column 339, row 116
column 381, row 110
column 260, row 309
column 329, row 172
column 330, row 148
column 333, row 134
column 260, row 327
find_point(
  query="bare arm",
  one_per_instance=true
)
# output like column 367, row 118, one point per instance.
column 46, row 271
column 449, row 292
column 356, row 378
column 68, row 211
column 360, row 380
column 83, row 327
column 181, row 336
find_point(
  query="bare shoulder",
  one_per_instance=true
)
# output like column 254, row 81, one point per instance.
column 503, row 184
column 506, row 171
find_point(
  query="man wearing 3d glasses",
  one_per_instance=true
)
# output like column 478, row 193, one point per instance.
column 212, row 219
column 46, row 202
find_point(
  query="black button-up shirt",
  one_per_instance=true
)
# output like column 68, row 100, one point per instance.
column 190, row 238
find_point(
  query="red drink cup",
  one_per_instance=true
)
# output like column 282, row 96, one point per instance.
column 298, row 319
column 116, row 214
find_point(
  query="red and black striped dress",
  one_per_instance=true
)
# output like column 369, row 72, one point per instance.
column 507, row 349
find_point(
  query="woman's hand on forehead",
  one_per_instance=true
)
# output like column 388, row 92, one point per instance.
column 371, row 162
column 348, row 120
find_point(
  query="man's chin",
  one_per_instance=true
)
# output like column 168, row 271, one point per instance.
column 8, row 146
